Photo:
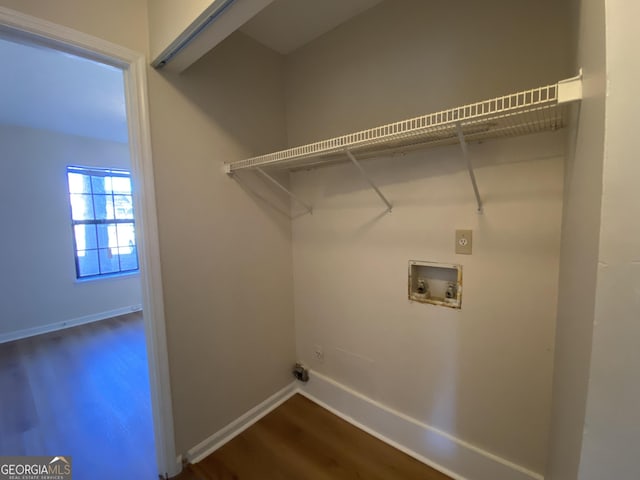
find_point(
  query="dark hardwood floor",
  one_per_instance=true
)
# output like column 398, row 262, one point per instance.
column 302, row 441
column 82, row 392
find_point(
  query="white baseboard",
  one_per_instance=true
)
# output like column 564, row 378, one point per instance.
column 53, row 327
column 452, row 456
column 218, row 439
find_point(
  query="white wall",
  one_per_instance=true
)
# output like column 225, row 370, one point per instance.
column 579, row 252
column 38, row 287
column 612, row 423
column 482, row 374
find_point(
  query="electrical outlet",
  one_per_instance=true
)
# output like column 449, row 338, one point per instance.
column 464, row 242
column 319, row 353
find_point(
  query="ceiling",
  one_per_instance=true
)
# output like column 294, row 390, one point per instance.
column 287, row 25
column 52, row 90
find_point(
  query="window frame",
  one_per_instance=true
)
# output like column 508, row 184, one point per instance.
column 101, row 172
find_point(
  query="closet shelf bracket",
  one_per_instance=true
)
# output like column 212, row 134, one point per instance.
column 368, row 179
column 284, row 189
column 467, row 157
column 570, row 89
column 540, row 109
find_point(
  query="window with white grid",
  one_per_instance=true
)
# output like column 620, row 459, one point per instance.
column 103, row 223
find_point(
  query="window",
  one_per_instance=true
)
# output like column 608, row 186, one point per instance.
column 104, row 230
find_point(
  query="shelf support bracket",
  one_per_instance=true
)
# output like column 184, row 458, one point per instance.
column 570, row 90
column 467, row 157
column 284, row 189
column 368, row 179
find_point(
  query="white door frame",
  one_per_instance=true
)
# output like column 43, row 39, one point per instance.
column 133, row 64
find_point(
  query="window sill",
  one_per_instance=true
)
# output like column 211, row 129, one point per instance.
column 110, row 276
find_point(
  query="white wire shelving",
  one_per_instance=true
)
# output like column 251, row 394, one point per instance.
column 530, row 111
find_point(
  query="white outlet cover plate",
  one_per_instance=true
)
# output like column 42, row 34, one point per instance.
column 464, row 242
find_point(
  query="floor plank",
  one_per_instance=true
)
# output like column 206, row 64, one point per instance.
column 300, row 440
column 81, row 392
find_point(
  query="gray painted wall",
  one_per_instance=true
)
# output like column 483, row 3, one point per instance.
column 612, row 424
column 579, row 253
column 226, row 254
column 226, row 257
column 38, row 286
column 482, row 374
column 244, row 341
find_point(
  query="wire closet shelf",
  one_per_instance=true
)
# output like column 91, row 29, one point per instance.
column 530, row 111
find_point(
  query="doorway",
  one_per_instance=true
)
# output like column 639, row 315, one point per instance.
column 28, row 32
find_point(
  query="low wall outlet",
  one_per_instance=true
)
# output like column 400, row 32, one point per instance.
column 464, row 240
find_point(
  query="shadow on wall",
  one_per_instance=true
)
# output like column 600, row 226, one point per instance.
column 266, row 195
column 226, row 255
column 481, row 374
column 444, row 167
column 233, row 87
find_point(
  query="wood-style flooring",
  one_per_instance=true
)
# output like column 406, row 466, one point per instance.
column 81, row 392
column 302, row 441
